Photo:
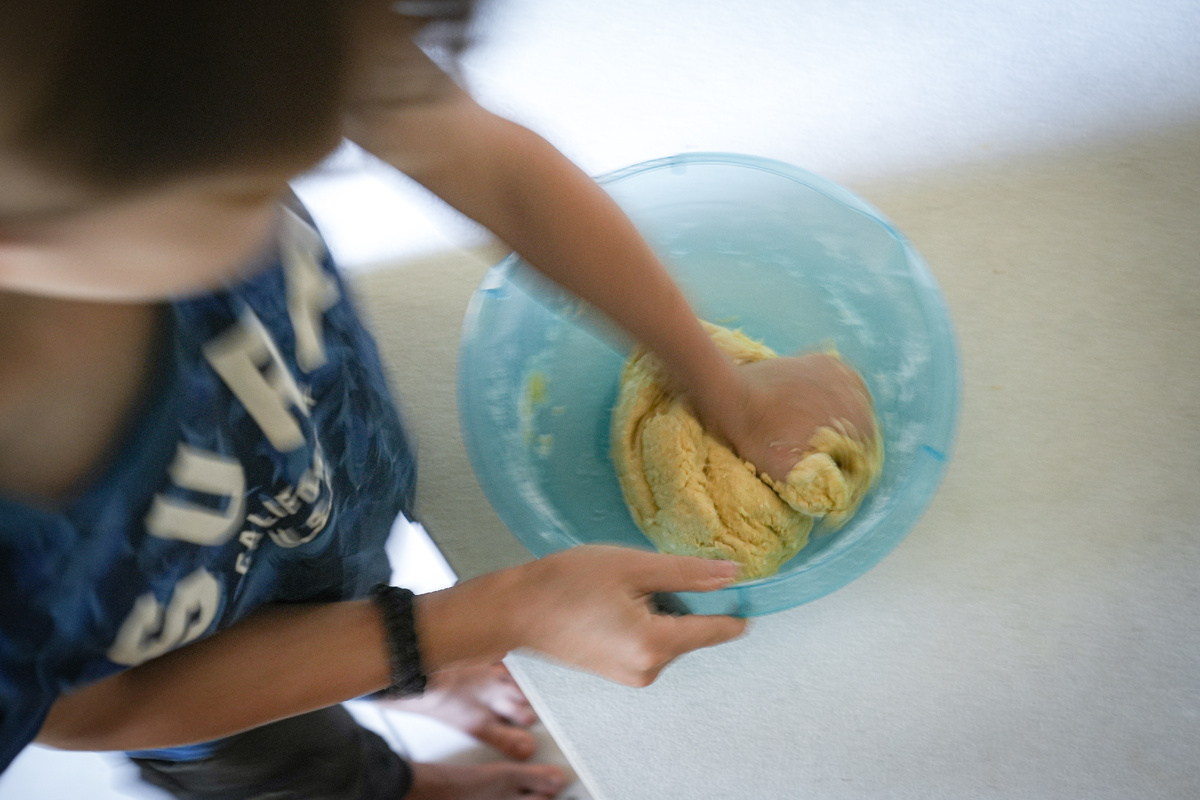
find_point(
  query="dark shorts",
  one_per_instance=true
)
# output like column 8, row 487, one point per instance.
column 322, row 755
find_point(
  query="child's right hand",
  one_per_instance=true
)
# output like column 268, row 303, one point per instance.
column 589, row 606
column 786, row 400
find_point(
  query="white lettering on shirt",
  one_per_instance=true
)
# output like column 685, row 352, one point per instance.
column 249, row 362
column 208, row 473
column 312, row 495
column 310, row 292
column 150, row 630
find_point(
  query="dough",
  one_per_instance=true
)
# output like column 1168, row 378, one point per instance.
column 691, row 495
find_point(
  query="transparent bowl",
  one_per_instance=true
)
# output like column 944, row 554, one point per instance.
column 787, row 256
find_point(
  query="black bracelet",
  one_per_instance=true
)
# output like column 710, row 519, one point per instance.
column 396, row 607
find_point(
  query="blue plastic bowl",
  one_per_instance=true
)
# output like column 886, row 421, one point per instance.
column 787, row 256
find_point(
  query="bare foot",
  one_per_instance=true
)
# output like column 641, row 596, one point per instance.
column 499, row 781
column 483, row 701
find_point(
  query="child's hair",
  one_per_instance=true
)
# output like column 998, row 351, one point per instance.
column 117, row 94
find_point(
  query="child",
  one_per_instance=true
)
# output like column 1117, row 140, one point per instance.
column 199, row 459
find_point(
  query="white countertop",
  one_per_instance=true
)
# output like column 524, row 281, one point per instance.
column 1038, row 633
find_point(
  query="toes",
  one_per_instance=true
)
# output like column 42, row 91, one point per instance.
column 540, row 780
column 504, row 697
column 523, row 716
column 513, row 741
column 486, row 781
column 516, row 709
column 548, row 780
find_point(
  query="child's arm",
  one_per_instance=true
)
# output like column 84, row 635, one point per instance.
column 588, row 606
column 522, row 189
column 282, row 661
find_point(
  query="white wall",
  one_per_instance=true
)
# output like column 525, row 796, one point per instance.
column 852, row 89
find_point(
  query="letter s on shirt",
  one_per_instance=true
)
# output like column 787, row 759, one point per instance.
column 151, row 630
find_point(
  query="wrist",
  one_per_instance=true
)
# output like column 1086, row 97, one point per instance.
column 698, row 370
column 719, row 396
column 474, row 621
column 395, row 607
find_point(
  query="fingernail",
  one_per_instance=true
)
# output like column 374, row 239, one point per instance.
column 727, row 569
column 723, row 573
column 552, row 783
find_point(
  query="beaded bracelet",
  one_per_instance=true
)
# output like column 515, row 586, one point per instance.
column 396, row 606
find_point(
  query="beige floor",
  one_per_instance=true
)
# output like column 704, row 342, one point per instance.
column 416, row 310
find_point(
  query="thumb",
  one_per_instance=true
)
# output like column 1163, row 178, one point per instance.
column 679, row 635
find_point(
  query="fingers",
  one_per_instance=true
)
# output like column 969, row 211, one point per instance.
column 668, row 637
column 591, row 606
column 660, row 572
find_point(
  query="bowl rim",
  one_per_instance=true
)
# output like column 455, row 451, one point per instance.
column 935, row 313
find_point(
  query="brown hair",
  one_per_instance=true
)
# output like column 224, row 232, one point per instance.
column 124, row 93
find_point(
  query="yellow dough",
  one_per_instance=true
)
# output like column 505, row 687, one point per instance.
column 691, row 495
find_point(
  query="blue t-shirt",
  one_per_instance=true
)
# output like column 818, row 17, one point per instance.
column 266, row 465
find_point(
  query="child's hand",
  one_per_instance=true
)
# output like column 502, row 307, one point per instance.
column 785, row 401
column 588, row 606
column 591, row 607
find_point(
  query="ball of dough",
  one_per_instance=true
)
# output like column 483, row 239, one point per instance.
column 692, row 495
